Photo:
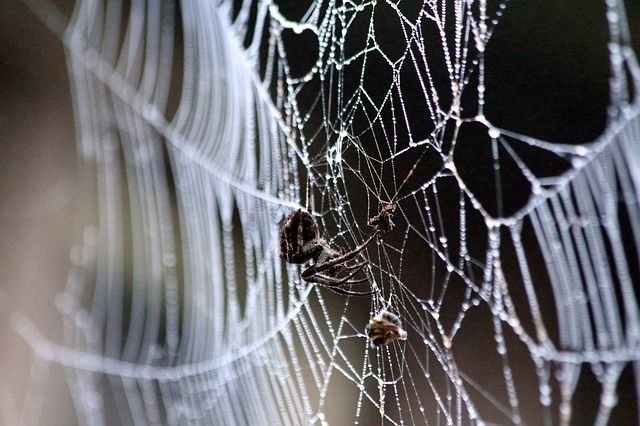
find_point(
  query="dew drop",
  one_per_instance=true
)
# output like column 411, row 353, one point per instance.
column 494, row 133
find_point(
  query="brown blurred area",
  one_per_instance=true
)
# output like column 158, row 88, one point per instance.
column 37, row 192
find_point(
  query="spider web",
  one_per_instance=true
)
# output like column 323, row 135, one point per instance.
column 514, row 281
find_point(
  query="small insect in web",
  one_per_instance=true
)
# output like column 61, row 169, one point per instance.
column 385, row 328
column 383, row 221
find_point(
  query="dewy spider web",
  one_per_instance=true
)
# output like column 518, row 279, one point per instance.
column 177, row 306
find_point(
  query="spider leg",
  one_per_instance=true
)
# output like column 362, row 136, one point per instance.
column 325, row 281
column 344, row 292
column 335, row 284
column 340, row 281
column 340, row 259
column 329, row 283
column 360, row 281
column 354, row 266
column 312, row 273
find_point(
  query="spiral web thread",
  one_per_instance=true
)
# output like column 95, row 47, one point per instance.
column 177, row 306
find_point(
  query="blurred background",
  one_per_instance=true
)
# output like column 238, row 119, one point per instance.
column 38, row 193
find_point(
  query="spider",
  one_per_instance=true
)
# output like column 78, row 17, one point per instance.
column 384, row 328
column 300, row 242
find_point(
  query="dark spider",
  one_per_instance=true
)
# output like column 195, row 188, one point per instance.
column 300, row 242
